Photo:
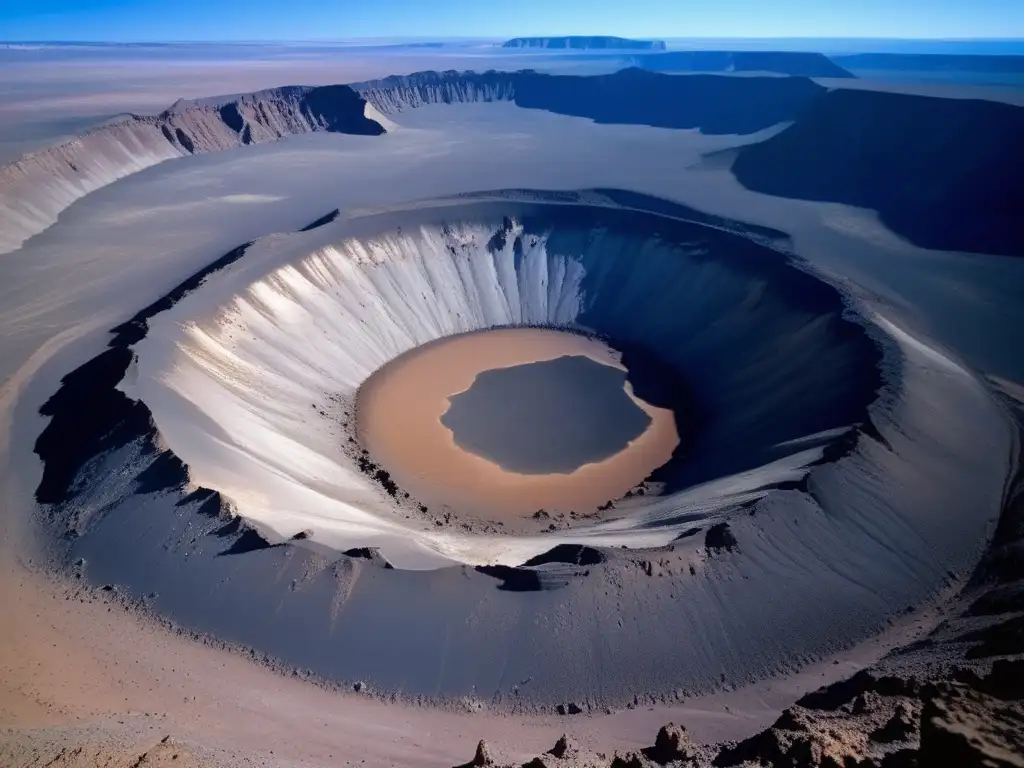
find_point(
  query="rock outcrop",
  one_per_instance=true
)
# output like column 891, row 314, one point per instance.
column 869, row 721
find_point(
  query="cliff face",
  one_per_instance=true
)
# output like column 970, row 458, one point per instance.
column 782, row 62
column 586, row 43
column 400, row 92
column 940, row 172
column 943, row 173
column 714, row 104
column 36, row 188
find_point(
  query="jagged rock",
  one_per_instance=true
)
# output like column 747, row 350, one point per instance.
column 838, row 694
column 482, row 757
column 782, row 748
column 562, row 747
column 672, row 744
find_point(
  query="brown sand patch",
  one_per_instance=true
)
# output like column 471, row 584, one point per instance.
column 399, row 411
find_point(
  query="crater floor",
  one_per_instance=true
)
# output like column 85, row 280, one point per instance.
column 529, row 439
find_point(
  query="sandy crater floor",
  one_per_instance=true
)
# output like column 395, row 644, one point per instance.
column 399, row 412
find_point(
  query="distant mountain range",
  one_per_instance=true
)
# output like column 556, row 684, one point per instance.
column 585, row 43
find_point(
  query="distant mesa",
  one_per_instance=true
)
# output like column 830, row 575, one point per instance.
column 586, row 43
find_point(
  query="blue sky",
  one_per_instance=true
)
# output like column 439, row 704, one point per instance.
column 151, row 20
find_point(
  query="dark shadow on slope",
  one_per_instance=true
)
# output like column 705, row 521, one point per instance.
column 712, row 103
column 248, row 541
column 166, row 473
column 369, row 553
column 572, row 554
column 323, row 220
column 88, row 417
column 523, row 579
column 512, row 579
column 339, row 109
column 232, row 117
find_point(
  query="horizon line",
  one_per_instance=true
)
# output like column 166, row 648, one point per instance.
column 443, row 38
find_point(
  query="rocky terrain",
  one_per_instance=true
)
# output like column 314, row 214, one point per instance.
column 865, row 722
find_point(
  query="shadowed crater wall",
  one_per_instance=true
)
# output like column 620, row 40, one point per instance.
column 942, row 173
column 715, row 105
